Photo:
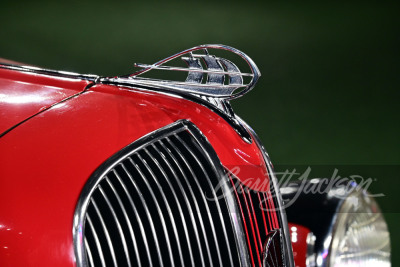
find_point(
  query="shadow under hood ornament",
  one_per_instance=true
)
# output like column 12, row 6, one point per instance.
column 207, row 74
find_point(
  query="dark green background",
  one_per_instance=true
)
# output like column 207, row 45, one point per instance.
column 329, row 90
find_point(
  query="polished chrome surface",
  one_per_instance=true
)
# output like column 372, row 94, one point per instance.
column 195, row 74
column 182, row 190
column 63, row 74
column 196, row 203
column 148, row 215
column 272, row 250
column 215, row 68
column 164, row 174
column 153, row 196
column 223, row 223
column 235, row 77
column 126, row 218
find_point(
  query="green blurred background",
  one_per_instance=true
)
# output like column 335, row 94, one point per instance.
column 329, row 91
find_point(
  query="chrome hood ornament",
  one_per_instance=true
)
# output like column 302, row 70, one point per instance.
column 208, row 79
column 207, row 74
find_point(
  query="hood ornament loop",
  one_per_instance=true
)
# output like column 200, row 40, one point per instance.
column 207, row 74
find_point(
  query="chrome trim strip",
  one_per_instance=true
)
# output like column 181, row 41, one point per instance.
column 213, row 84
column 62, row 74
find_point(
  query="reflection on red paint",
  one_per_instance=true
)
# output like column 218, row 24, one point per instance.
column 298, row 236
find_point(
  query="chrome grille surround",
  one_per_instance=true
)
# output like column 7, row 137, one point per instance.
column 175, row 144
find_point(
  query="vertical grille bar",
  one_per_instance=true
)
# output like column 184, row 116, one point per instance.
column 129, row 225
column 257, row 230
column 159, row 212
column 136, row 215
column 267, row 209
column 263, row 212
column 189, row 149
column 246, row 228
column 117, row 223
column 96, row 239
column 89, row 253
column 161, row 190
column 105, row 229
column 176, row 178
column 205, row 204
column 148, row 215
column 272, row 208
column 167, row 146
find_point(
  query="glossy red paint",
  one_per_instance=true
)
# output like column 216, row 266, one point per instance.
column 46, row 161
column 298, row 236
column 20, row 98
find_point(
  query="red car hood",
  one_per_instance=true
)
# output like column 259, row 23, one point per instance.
column 20, row 99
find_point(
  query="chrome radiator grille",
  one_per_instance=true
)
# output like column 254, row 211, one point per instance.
column 154, row 204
